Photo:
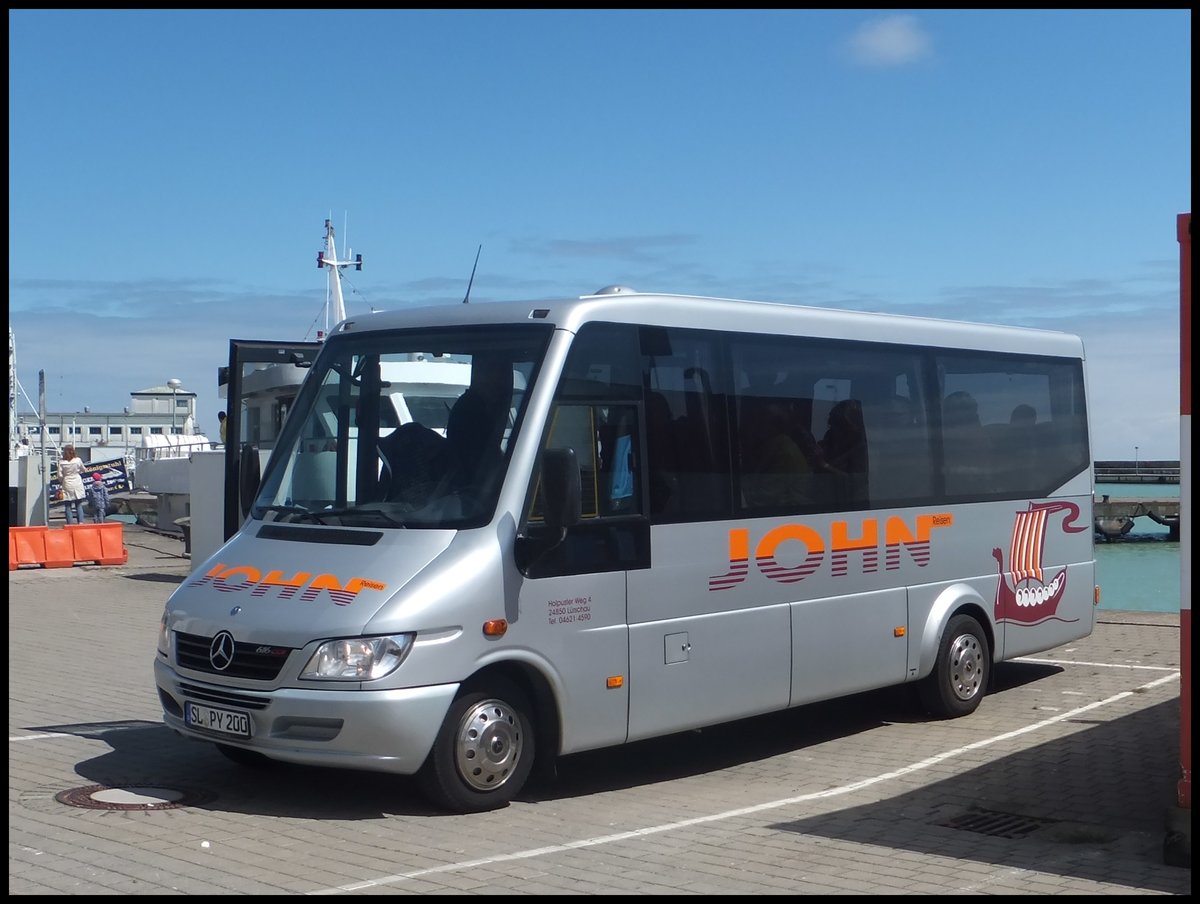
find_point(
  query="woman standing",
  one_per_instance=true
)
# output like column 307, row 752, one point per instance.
column 70, row 475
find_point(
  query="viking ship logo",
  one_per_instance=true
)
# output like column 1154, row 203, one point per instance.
column 1032, row 599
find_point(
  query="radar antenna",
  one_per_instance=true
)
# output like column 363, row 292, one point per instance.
column 334, row 303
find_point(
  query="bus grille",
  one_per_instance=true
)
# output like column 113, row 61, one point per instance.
column 250, row 660
column 221, row 697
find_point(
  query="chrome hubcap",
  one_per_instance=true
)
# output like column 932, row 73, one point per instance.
column 966, row 666
column 489, row 745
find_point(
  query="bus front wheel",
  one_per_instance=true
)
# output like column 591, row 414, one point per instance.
column 484, row 750
column 959, row 678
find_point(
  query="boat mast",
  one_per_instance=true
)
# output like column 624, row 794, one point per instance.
column 334, row 303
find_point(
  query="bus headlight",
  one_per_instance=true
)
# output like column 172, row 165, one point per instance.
column 358, row 658
column 164, row 636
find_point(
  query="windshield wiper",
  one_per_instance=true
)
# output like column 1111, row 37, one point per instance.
column 298, row 511
column 358, row 512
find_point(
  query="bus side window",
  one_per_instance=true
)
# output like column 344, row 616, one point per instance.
column 574, row 427
column 613, row 534
column 661, row 459
column 844, row 449
column 619, row 451
column 967, row 457
column 899, row 450
column 687, row 436
column 774, row 469
column 606, row 445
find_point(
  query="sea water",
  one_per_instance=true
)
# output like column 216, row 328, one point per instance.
column 1140, row 570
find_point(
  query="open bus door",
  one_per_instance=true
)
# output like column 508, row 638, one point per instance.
column 260, row 383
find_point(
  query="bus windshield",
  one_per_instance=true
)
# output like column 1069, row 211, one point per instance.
column 405, row 429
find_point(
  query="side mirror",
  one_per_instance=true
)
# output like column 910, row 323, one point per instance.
column 561, row 491
column 561, row 507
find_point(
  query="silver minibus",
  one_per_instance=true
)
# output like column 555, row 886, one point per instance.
column 637, row 514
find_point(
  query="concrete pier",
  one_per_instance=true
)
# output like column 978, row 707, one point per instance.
column 1114, row 515
column 1152, row 471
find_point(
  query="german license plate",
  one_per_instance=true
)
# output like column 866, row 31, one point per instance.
column 222, row 721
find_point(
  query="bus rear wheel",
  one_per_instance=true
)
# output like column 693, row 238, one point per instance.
column 960, row 674
column 484, row 751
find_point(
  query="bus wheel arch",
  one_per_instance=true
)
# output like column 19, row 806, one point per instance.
column 962, row 666
column 542, row 697
column 955, row 599
column 547, row 718
column 496, row 727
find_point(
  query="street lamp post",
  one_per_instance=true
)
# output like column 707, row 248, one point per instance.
column 174, row 384
column 1135, row 460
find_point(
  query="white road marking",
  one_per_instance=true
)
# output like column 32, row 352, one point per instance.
column 746, row 811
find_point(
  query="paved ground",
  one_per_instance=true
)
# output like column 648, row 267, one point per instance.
column 1061, row 783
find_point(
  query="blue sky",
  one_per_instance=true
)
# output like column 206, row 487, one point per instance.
column 170, row 173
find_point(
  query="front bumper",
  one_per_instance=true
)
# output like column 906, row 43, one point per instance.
column 381, row 731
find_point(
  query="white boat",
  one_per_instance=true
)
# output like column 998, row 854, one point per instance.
column 162, row 494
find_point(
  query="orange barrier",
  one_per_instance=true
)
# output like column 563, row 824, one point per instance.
column 74, row 544
column 39, row 546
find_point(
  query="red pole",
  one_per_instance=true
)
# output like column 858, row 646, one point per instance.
column 1184, row 231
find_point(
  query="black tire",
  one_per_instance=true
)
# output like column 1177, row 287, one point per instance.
column 244, row 757
column 484, row 750
column 960, row 674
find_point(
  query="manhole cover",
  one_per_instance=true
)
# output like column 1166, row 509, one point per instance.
column 132, row 797
column 997, row 824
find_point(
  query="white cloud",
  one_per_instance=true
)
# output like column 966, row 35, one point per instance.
column 890, row 41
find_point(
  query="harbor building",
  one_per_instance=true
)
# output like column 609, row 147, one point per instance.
column 156, row 416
